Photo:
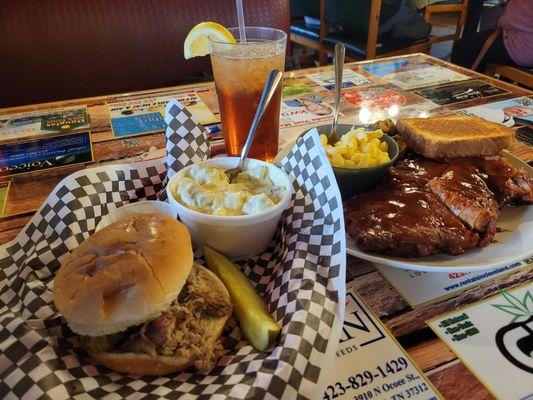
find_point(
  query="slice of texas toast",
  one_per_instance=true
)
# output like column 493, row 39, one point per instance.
column 451, row 136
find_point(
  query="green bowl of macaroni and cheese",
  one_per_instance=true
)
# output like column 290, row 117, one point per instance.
column 238, row 219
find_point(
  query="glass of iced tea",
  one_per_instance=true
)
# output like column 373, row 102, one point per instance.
column 240, row 72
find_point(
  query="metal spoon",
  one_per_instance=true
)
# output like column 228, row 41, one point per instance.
column 271, row 85
column 340, row 50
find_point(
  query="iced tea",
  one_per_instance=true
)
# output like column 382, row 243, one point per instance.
column 240, row 72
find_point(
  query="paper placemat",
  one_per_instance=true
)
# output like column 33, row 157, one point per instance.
column 350, row 78
column 21, row 126
column 147, row 114
column 420, row 287
column 46, row 152
column 4, row 192
column 304, row 110
column 370, row 363
column 459, row 92
column 494, row 339
column 510, row 112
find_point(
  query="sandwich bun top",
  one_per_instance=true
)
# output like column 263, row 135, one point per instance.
column 125, row 274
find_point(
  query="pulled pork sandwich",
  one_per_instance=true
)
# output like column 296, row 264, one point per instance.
column 139, row 303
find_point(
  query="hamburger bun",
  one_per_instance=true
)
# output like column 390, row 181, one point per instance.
column 125, row 274
column 145, row 364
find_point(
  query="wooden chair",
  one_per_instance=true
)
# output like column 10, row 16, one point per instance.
column 375, row 46
column 309, row 36
column 448, row 6
column 521, row 76
column 357, row 48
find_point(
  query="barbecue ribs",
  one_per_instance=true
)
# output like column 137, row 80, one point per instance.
column 406, row 220
column 424, row 207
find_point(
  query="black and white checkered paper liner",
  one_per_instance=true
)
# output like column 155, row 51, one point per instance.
column 301, row 276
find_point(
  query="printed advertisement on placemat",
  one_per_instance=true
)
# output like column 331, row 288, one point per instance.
column 4, row 190
column 304, row 110
column 506, row 112
column 295, row 87
column 420, row 287
column 459, row 92
column 350, row 78
column 411, row 74
column 369, row 116
column 525, row 134
column 494, row 339
column 378, row 98
column 145, row 115
column 383, row 69
column 370, row 363
column 42, row 122
column 45, row 153
column 422, row 110
column 424, row 77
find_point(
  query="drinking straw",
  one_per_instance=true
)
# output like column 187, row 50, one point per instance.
column 240, row 18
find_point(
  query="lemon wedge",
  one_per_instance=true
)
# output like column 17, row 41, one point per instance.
column 197, row 43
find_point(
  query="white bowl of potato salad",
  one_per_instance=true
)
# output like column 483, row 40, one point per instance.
column 238, row 219
column 360, row 158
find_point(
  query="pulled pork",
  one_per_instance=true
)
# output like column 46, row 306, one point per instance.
column 179, row 331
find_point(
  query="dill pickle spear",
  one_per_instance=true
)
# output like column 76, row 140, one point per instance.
column 257, row 325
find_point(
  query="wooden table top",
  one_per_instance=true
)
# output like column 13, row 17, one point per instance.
column 444, row 369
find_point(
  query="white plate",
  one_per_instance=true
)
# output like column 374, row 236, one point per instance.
column 515, row 243
column 141, row 207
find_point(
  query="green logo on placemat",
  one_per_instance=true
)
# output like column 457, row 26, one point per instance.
column 521, row 310
column 515, row 340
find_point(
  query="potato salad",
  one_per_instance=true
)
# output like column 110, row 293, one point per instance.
column 207, row 189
